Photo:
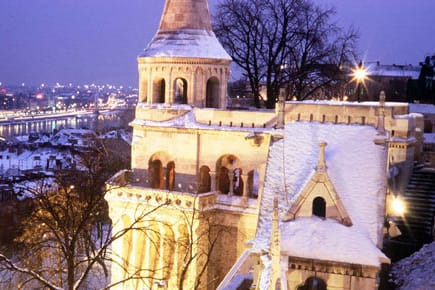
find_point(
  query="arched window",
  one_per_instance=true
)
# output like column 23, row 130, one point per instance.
column 213, row 93
column 180, row 91
column 313, row 283
column 319, row 207
column 159, row 89
column 204, row 180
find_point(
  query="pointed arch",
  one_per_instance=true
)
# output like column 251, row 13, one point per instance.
column 212, row 99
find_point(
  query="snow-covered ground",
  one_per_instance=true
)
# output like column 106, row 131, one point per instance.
column 417, row 272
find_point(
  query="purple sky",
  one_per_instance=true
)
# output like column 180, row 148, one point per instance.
column 85, row 41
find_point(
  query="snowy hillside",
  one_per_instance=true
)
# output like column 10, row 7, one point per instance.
column 416, row 272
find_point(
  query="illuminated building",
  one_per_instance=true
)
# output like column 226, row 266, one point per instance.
column 278, row 199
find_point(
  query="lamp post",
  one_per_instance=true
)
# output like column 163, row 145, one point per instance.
column 359, row 76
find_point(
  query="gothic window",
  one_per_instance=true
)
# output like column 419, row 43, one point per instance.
column 319, row 207
column 159, row 89
column 213, row 93
column 170, row 175
column 180, row 91
column 204, row 180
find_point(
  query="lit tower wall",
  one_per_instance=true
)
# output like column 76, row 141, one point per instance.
column 184, row 63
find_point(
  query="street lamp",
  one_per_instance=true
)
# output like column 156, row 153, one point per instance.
column 359, row 74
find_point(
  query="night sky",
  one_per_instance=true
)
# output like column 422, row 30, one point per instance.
column 97, row 41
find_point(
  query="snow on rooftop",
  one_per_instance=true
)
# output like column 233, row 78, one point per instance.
column 348, row 103
column 347, row 244
column 404, row 71
column 356, row 167
column 188, row 121
column 185, row 43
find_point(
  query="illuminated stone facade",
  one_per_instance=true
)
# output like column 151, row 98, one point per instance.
column 195, row 195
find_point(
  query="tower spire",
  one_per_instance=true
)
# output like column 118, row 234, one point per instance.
column 185, row 14
column 185, row 31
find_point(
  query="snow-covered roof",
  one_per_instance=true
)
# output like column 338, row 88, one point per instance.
column 299, row 236
column 69, row 137
column 189, row 43
column 356, row 167
column 404, row 71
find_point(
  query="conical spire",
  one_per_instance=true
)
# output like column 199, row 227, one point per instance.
column 185, row 31
column 185, row 14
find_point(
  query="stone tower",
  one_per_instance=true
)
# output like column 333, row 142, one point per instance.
column 184, row 63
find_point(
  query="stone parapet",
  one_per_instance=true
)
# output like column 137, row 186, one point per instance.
column 154, row 198
column 328, row 112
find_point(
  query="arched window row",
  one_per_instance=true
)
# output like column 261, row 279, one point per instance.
column 228, row 178
column 180, row 91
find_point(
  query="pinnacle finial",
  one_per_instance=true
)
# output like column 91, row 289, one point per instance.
column 321, row 164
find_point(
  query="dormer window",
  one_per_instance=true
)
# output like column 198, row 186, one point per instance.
column 319, row 207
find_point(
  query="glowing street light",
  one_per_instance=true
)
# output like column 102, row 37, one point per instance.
column 359, row 76
column 398, row 207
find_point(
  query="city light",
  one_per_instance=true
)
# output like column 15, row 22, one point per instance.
column 359, row 73
column 359, row 76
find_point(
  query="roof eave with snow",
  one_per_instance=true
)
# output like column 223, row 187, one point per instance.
column 186, row 43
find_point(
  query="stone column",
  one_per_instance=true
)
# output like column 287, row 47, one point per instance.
column 381, row 114
column 321, row 164
column 169, row 92
column 213, row 181
column 150, row 87
column 245, row 188
column 231, row 176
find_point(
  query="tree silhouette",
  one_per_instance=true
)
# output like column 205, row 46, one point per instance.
column 282, row 44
